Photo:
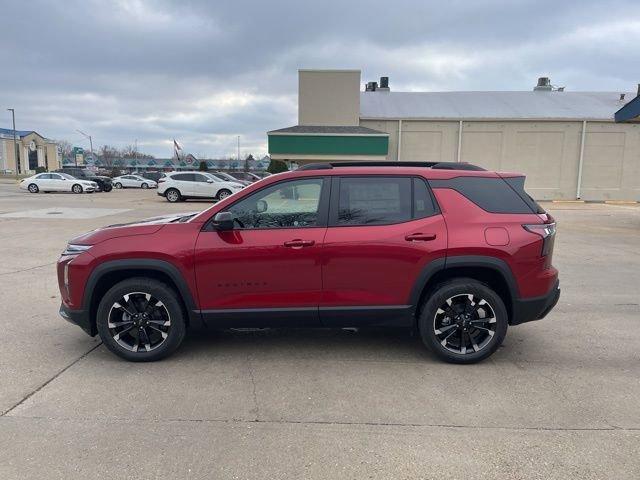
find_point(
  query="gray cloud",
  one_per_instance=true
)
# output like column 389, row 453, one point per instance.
column 204, row 72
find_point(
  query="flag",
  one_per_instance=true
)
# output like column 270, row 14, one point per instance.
column 176, row 149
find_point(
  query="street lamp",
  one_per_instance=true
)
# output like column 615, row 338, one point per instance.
column 15, row 144
column 90, row 142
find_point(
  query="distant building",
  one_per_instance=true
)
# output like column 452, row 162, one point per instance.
column 34, row 151
column 567, row 143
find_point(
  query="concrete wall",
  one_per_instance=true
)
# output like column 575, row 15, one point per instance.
column 547, row 152
column 328, row 97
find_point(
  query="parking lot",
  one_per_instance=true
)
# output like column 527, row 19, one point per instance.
column 560, row 399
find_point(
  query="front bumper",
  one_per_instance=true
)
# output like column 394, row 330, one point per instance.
column 530, row 309
column 80, row 318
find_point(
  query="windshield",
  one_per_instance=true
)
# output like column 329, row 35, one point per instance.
column 212, row 176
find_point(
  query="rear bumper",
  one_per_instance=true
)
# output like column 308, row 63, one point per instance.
column 529, row 309
column 79, row 318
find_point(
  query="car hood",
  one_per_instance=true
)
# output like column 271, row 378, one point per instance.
column 146, row 226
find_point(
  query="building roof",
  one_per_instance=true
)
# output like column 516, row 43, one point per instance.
column 19, row 133
column 534, row 105
column 326, row 130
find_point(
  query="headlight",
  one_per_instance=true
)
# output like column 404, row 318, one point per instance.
column 75, row 250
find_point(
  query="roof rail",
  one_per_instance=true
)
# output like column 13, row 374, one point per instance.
column 434, row 165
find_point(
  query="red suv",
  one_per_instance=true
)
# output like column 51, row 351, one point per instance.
column 450, row 250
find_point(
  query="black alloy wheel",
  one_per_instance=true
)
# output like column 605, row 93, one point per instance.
column 141, row 319
column 463, row 321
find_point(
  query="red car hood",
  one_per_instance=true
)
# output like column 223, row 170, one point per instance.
column 139, row 227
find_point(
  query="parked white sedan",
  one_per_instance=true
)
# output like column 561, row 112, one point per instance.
column 57, row 182
column 133, row 181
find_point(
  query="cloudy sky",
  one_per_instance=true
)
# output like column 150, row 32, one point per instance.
column 205, row 71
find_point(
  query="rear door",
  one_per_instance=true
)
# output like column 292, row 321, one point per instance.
column 185, row 183
column 383, row 231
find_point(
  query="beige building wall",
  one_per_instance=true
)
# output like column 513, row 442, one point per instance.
column 547, row 152
column 328, row 97
column 46, row 151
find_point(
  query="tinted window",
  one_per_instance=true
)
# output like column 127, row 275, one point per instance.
column 423, row 205
column 183, row 177
column 292, row 204
column 53, row 176
column 491, row 194
column 197, row 177
column 374, row 200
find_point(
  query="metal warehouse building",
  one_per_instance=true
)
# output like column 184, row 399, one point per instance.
column 567, row 143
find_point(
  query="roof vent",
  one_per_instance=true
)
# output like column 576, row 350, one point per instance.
column 622, row 97
column 371, row 87
column 384, row 84
column 544, row 84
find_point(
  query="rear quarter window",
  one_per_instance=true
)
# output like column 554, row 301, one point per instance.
column 494, row 195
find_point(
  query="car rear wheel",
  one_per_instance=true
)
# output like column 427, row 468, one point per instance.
column 76, row 188
column 463, row 321
column 144, row 185
column 118, row 185
column 222, row 194
column 141, row 320
column 107, row 188
column 33, row 188
column 173, row 195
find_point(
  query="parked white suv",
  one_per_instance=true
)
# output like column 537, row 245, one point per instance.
column 177, row 186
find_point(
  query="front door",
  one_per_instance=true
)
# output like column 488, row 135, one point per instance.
column 383, row 231
column 267, row 270
column 204, row 186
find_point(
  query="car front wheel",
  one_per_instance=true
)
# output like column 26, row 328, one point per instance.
column 144, row 185
column 118, row 185
column 76, row 188
column 141, row 320
column 463, row 321
column 33, row 188
column 173, row 195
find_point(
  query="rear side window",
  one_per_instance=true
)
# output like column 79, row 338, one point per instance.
column 184, row 177
column 517, row 183
column 374, row 200
column 494, row 195
column 423, row 204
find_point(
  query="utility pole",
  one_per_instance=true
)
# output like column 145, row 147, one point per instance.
column 90, row 142
column 238, row 149
column 15, row 144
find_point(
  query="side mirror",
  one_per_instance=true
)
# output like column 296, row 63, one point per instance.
column 261, row 206
column 223, row 221
column 209, row 180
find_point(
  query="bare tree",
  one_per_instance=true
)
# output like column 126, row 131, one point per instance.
column 65, row 148
column 108, row 155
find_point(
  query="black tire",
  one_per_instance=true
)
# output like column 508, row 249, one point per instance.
column 173, row 195
column 109, row 315
column 107, row 188
column 118, row 185
column 449, row 311
column 144, row 186
column 77, row 188
column 33, row 188
column 222, row 194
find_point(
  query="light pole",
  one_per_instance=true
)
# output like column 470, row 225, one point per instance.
column 238, row 150
column 15, row 144
column 90, row 142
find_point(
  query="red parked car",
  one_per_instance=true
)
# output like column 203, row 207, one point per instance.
column 448, row 249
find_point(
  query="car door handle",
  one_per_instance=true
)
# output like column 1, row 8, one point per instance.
column 420, row 237
column 298, row 243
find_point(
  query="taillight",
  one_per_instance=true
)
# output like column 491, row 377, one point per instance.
column 547, row 231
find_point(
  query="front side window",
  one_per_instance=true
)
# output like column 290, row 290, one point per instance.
column 374, row 200
column 292, row 204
